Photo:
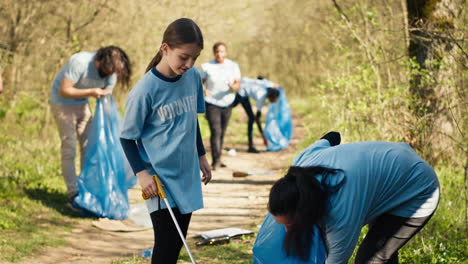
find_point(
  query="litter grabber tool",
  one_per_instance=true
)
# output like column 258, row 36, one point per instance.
column 238, row 174
column 162, row 195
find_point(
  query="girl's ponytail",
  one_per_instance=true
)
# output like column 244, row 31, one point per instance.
column 154, row 61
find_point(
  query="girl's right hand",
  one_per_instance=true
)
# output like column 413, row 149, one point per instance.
column 148, row 186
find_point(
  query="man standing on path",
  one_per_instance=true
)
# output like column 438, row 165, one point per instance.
column 222, row 79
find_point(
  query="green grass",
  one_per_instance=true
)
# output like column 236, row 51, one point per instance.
column 445, row 238
column 33, row 214
column 237, row 251
column 32, row 193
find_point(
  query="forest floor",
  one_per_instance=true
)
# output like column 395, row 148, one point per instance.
column 229, row 202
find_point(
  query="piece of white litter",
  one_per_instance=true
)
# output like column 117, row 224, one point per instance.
column 230, row 232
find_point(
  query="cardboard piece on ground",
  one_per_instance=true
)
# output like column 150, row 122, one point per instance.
column 117, row 225
column 229, row 232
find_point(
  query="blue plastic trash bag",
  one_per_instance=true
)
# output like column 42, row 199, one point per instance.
column 278, row 126
column 106, row 175
column 269, row 249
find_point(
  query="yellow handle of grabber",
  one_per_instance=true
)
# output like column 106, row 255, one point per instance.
column 159, row 189
column 162, row 195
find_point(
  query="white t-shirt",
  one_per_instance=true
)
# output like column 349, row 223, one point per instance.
column 255, row 89
column 218, row 76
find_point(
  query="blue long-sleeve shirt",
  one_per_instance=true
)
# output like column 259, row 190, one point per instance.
column 375, row 178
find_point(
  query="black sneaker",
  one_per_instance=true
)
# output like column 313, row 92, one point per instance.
column 252, row 150
column 73, row 206
column 217, row 164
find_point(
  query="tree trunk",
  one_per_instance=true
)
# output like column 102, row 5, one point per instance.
column 431, row 26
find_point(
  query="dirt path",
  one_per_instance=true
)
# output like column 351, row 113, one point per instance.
column 229, row 202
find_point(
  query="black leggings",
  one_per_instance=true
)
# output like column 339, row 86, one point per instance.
column 167, row 242
column 387, row 234
column 245, row 102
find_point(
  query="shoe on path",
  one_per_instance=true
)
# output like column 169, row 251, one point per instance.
column 252, row 150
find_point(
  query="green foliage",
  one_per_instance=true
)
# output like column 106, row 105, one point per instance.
column 361, row 111
column 32, row 198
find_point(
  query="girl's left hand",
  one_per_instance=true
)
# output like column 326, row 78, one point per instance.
column 206, row 169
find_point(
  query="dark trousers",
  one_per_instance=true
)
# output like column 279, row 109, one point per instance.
column 218, row 119
column 167, row 242
column 245, row 102
column 387, row 234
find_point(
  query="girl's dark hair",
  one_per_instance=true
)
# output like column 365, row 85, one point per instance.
column 181, row 31
column 299, row 195
column 113, row 59
column 217, row 44
column 272, row 93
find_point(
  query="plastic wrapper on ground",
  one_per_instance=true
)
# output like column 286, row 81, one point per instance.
column 268, row 247
column 106, row 175
column 278, row 125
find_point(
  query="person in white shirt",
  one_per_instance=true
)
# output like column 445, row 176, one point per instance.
column 221, row 77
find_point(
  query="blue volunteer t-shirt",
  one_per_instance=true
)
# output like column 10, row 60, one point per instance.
column 376, row 178
column 81, row 71
column 161, row 114
column 255, row 89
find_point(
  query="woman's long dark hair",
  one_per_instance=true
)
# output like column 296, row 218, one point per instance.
column 299, row 195
column 113, row 59
column 181, row 31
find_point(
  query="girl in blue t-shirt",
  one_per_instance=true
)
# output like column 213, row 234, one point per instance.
column 161, row 135
column 341, row 188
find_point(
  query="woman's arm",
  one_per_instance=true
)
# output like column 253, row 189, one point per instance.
column 67, row 90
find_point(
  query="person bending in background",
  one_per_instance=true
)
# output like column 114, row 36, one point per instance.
column 86, row 74
column 341, row 188
column 258, row 89
column 221, row 77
